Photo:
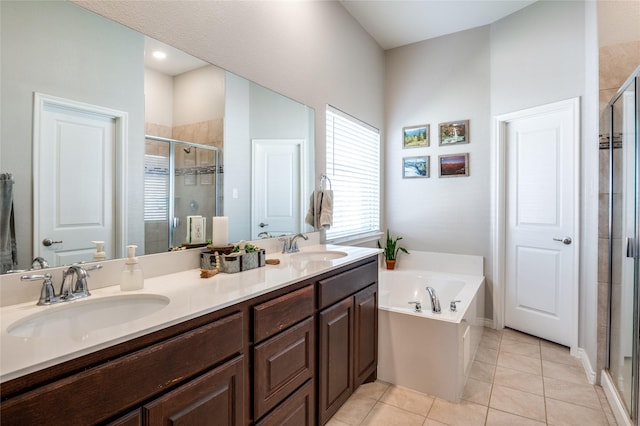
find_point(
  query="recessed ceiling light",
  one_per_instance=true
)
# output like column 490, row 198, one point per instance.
column 159, row 54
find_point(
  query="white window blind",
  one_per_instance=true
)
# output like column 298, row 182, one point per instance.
column 156, row 188
column 353, row 166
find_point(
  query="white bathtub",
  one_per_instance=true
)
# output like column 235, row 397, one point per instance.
column 426, row 351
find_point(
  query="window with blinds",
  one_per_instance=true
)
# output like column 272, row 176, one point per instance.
column 156, row 188
column 353, row 166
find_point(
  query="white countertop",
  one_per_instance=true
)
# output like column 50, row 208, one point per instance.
column 190, row 297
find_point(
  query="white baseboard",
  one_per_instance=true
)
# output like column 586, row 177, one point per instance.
column 586, row 364
column 618, row 408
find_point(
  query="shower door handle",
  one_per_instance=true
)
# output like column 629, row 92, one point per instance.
column 632, row 248
column 564, row 240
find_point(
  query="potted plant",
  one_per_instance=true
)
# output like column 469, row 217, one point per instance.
column 391, row 250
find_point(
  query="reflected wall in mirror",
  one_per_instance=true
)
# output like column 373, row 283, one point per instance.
column 61, row 50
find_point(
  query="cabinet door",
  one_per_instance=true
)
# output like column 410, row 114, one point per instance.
column 366, row 334
column 297, row 410
column 215, row 398
column 335, row 358
column 282, row 364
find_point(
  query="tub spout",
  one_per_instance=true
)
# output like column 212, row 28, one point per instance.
column 435, row 302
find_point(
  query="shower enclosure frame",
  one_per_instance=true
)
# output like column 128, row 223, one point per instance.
column 633, row 244
column 172, row 177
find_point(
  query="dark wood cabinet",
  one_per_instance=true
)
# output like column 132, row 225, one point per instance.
column 335, row 372
column 214, row 398
column 290, row 357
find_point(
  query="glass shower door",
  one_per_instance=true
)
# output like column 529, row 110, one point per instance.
column 624, row 247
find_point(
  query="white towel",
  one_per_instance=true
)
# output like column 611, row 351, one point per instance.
column 310, row 217
column 325, row 209
column 8, row 248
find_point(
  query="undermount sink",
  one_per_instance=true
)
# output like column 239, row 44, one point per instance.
column 81, row 317
column 318, row 256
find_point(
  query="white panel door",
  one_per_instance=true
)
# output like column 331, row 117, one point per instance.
column 75, row 186
column 540, row 290
column 276, row 187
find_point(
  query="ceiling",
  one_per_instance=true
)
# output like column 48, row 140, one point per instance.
column 394, row 23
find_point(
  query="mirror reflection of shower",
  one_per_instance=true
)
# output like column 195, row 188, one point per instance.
column 180, row 179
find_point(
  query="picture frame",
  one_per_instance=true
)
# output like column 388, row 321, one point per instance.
column 453, row 165
column 453, row 132
column 415, row 167
column 415, row 136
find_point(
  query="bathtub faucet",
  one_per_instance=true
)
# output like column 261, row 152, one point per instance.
column 435, row 302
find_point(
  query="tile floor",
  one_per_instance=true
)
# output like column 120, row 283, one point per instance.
column 515, row 379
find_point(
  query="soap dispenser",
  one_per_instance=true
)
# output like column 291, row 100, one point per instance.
column 132, row 278
column 99, row 255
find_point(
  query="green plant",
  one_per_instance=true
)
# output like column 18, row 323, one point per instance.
column 391, row 249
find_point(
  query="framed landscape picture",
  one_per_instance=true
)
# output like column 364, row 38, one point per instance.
column 415, row 167
column 454, row 132
column 415, row 136
column 454, row 165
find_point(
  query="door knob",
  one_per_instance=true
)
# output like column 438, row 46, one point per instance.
column 565, row 240
column 49, row 242
column 262, row 224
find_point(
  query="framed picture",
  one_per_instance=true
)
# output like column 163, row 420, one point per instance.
column 453, row 165
column 454, row 132
column 415, row 136
column 415, row 167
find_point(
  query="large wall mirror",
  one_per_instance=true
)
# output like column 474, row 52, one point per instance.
column 106, row 142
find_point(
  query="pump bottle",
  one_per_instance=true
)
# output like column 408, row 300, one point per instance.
column 132, row 278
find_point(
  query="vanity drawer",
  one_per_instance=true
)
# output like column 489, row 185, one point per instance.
column 282, row 312
column 282, row 364
column 128, row 380
column 345, row 284
column 297, row 410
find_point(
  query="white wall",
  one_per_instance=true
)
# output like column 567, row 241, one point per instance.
column 439, row 80
column 541, row 54
column 313, row 52
column 44, row 44
column 198, row 95
column 158, row 94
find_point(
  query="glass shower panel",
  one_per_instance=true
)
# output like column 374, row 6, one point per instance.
column 624, row 275
column 195, row 188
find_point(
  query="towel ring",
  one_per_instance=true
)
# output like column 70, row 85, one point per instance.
column 324, row 178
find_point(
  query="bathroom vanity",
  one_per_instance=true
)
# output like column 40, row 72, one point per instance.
column 280, row 346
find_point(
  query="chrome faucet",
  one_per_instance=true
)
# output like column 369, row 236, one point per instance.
column 290, row 244
column 435, row 302
column 69, row 290
column 41, row 262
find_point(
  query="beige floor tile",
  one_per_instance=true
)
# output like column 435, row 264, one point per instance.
column 355, row 410
column 487, row 355
column 489, row 331
column 482, row 371
column 431, row 422
column 490, row 342
column 373, row 390
column 557, row 353
column 584, row 395
column 477, row 391
column 335, row 422
column 500, row 418
column 569, row 373
column 406, row 399
column 520, row 348
column 388, row 415
column 510, row 334
column 520, row 363
column 517, row 402
column 564, row 414
column 519, row 380
column 463, row 414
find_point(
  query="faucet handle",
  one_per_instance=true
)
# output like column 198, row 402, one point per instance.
column 452, row 305
column 47, row 293
column 418, row 305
